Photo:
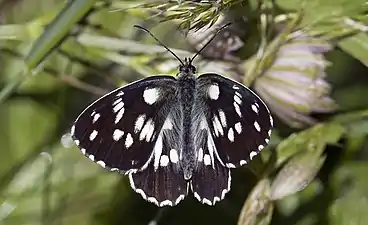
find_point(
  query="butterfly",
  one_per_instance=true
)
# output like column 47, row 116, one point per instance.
column 172, row 135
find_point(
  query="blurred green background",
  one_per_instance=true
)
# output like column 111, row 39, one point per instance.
column 306, row 59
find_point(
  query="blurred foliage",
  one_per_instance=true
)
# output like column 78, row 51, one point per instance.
column 306, row 59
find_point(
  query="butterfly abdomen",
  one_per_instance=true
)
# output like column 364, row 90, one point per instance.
column 187, row 87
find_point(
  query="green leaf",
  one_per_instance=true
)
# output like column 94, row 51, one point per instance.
column 296, row 174
column 352, row 209
column 291, row 204
column 317, row 10
column 351, row 177
column 313, row 139
column 50, row 39
column 357, row 46
column 356, row 123
column 26, row 124
column 350, row 117
column 351, row 184
column 57, row 30
column 258, row 208
column 61, row 177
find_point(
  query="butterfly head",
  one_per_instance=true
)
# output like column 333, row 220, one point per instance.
column 187, row 67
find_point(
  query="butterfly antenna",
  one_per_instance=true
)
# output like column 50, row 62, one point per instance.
column 213, row 37
column 158, row 41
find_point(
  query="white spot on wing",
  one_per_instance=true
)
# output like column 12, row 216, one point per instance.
column 217, row 125
column 132, row 185
column 196, row 195
column 91, row 157
column 235, row 87
column 181, row 197
column 167, row 124
column 157, row 151
column 96, row 117
column 237, row 109
column 222, row 118
column 214, row 91
column 119, row 106
column 120, row 93
column 72, row 130
column 243, row 162
column 252, row 154
column 139, row 123
column 164, row 160
column 216, row 199
column 230, row 165
column 153, row 200
column 214, row 128
column 101, row 163
column 174, row 157
column 117, row 101
column 76, row 142
column 260, row 147
column 267, row 140
column 256, row 125
column 237, row 99
column 200, row 155
column 150, row 133
column 203, row 124
column 225, row 190
column 150, row 96
column 93, row 135
column 166, row 202
column 147, row 130
column 207, row 160
column 206, row 201
column 83, row 150
column 212, row 150
column 254, row 108
column 238, row 127
column 230, row 135
column 271, row 121
column 269, row 132
column 128, row 140
column 117, row 134
column 119, row 115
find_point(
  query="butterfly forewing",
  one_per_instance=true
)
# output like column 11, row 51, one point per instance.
column 119, row 130
column 239, row 121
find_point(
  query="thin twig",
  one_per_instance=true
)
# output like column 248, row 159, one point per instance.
column 82, row 85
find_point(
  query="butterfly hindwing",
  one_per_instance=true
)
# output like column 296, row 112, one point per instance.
column 119, row 130
column 211, row 180
column 162, row 181
column 239, row 121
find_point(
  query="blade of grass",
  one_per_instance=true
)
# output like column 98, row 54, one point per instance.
column 57, row 30
column 50, row 39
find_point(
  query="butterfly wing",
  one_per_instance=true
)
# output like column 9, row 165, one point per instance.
column 161, row 181
column 238, row 120
column 211, row 180
column 119, row 130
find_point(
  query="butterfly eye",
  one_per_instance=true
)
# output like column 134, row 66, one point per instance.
column 192, row 69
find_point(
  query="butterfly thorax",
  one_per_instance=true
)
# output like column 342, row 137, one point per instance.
column 187, row 89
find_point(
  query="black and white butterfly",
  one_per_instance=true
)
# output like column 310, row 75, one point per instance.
column 175, row 134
